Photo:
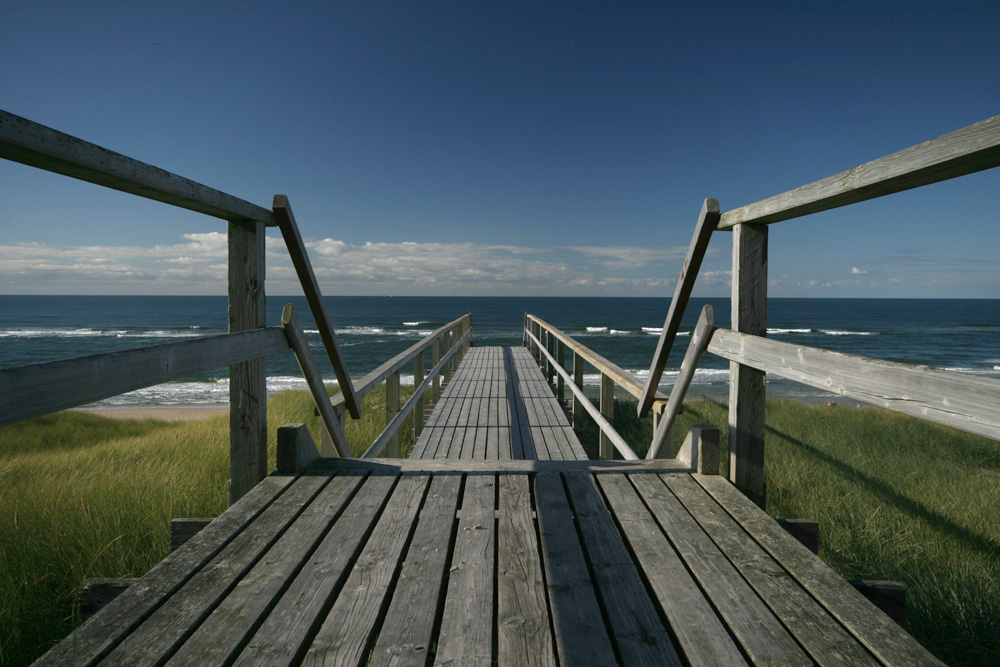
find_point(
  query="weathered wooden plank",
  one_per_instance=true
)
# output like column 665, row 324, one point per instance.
column 222, row 634
column 702, row 638
column 746, row 616
column 346, row 633
column 310, row 287
column 708, row 218
column 958, row 153
column 874, row 629
column 959, row 400
column 38, row 389
column 580, row 633
column 523, row 633
column 634, row 620
column 296, row 448
column 32, row 144
column 103, row 631
column 393, row 466
column 162, row 633
column 247, row 379
column 819, row 633
column 406, row 635
column 466, row 636
column 747, row 389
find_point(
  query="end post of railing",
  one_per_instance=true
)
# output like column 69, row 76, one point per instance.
column 560, row 383
column 606, row 448
column 391, row 410
column 418, row 377
column 578, row 410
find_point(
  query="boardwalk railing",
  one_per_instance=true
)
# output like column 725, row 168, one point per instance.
column 38, row 389
column 966, row 402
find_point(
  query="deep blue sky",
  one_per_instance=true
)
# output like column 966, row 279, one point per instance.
column 494, row 148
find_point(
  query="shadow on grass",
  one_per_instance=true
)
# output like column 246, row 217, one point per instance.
column 901, row 502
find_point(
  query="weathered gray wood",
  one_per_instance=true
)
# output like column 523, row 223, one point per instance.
column 466, row 636
column 391, row 410
column 392, row 466
column 888, row 596
column 578, row 408
column 32, row 144
column 581, row 637
column 605, row 447
column 701, row 450
column 94, row 594
column 634, row 621
column 220, row 636
column 38, row 389
column 875, row 630
column 561, row 382
column 307, row 278
column 806, row 531
column 699, row 342
column 296, row 448
column 967, row 402
column 523, row 633
column 247, row 379
column 707, row 220
column 407, row 631
column 164, row 630
column 746, row 385
column 418, row 379
column 182, row 530
column 297, row 339
column 958, row 153
column 282, row 638
column 102, row 632
column 346, row 634
column 702, row 638
column 818, row 633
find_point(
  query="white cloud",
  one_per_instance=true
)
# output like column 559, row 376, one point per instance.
column 857, row 272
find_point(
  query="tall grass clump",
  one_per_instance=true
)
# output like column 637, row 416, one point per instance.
column 84, row 496
column 897, row 498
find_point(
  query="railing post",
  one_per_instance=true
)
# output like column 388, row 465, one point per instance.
column 391, row 410
column 607, row 449
column 418, row 411
column 435, row 358
column 550, row 345
column 746, row 385
column 248, row 379
column 447, row 348
column 578, row 409
column 561, row 385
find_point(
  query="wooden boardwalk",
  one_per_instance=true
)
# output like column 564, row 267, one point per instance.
column 498, row 406
column 491, row 560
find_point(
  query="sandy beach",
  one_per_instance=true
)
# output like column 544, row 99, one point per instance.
column 168, row 413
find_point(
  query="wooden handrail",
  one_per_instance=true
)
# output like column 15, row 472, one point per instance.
column 307, row 278
column 707, row 220
column 967, row 402
column 24, row 141
column 965, row 151
column 39, row 389
column 602, row 423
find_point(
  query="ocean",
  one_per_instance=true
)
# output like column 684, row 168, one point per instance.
column 955, row 334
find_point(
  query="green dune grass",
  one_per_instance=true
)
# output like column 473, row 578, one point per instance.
column 896, row 499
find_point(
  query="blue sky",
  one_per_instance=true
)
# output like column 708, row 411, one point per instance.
column 477, row 148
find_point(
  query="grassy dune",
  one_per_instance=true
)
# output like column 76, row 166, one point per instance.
column 896, row 498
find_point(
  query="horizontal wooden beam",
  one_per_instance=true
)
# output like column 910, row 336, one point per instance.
column 967, row 402
column 39, row 389
column 24, row 141
column 966, row 151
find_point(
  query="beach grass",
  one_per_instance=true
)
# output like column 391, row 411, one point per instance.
column 896, row 499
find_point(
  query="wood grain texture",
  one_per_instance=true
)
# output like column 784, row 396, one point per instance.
column 958, row 153
column 32, row 144
column 708, row 218
column 38, row 389
column 959, row 400
column 247, row 379
column 296, row 448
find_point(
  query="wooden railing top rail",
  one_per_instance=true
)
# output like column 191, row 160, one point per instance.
column 24, row 141
column 621, row 377
column 365, row 385
column 965, row 151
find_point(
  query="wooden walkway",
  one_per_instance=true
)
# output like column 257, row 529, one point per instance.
column 477, row 562
column 498, row 406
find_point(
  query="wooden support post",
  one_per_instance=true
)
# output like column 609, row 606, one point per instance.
column 578, row 409
column 435, row 358
column 805, row 531
column 296, row 448
column 701, row 450
column 889, row 596
column 607, row 449
column 447, row 347
column 95, row 594
column 560, row 383
column 391, row 410
column 248, row 379
column 746, row 385
column 182, row 530
column 549, row 366
column 418, row 411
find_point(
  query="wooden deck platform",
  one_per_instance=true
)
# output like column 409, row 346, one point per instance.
column 498, row 406
column 478, row 562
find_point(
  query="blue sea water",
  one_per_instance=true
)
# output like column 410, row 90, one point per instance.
column 960, row 335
